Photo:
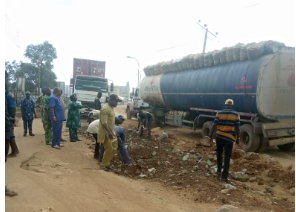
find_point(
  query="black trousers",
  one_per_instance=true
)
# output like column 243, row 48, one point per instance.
column 147, row 123
column 97, row 147
column 226, row 146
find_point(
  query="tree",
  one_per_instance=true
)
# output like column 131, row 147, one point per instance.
column 41, row 55
column 11, row 69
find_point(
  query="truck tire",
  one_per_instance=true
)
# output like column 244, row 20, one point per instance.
column 128, row 114
column 287, row 147
column 249, row 140
column 263, row 144
column 206, row 129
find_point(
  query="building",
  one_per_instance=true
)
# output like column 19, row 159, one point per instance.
column 122, row 91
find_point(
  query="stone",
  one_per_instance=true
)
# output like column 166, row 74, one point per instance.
column 153, row 170
column 225, row 191
column 292, row 191
column 285, row 198
column 253, row 179
column 228, row 208
column 125, row 171
column 240, row 176
column 153, row 153
column 177, row 187
column 259, row 192
column 224, row 200
column 204, row 142
column 184, row 171
column 163, row 136
column 142, row 175
column 229, row 186
column 231, row 162
column 244, row 170
column 268, row 189
column 171, row 175
column 260, row 183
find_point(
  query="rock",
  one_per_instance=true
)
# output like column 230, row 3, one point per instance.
column 231, row 162
column 142, row 175
column 153, row 153
column 224, row 200
column 238, row 153
column 129, row 130
column 125, row 171
column 285, row 198
column 240, row 176
column 138, row 171
column 184, row 171
column 225, row 191
column 259, row 192
column 203, row 142
column 153, row 170
column 228, row 208
column 171, row 175
column 260, row 183
column 195, row 168
column 163, row 136
column 229, row 186
column 244, row 170
column 268, row 189
column 177, row 187
column 292, row 191
column 253, row 179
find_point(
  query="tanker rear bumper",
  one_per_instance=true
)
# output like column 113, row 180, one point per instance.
column 279, row 133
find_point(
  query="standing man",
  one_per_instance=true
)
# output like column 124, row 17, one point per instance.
column 28, row 109
column 46, row 117
column 62, row 101
column 57, row 117
column 11, row 113
column 39, row 103
column 106, row 132
column 145, row 119
column 98, row 105
column 228, row 123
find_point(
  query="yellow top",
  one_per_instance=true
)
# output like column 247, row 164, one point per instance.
column 107, row 116
column 229, row 102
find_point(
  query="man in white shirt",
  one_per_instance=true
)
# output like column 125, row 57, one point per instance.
column 93, row 129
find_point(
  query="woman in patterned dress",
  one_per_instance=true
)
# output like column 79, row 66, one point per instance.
column 46, row 117
column 73, row 120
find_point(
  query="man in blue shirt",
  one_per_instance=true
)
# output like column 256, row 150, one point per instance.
column 11, row 113
column 28, row 109
column 57, row 117
column 119, row 131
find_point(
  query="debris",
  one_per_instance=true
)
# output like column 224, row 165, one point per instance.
column 260, row 183
column 228, row 208
column 244, row 170
column 125, row 171
column 153, row 153
column 163, row 136
column 185, row 157
column 240, row 176
column 268, row 189
column 153, row 170
column 253, row 179
column 224, row 200
column 258, row 192
column 203, row 142
column 177, row 187
column 292, row 191
column 229, row 186
column 142, row 175
column 171, row 175
column 209, row 163
column 225, row 191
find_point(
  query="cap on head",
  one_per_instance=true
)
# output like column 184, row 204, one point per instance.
column 229, row 102
column 27, row 93
column 121, row 117
column 115, row 97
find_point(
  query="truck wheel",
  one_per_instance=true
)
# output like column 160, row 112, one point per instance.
column 263, row 144
column 128, row 113
column 248, row 138
column 206, row 129
column 287, row 147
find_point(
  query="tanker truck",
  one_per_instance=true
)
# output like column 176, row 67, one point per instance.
column 263, row 90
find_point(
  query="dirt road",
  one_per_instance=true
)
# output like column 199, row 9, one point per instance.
column 69, row 180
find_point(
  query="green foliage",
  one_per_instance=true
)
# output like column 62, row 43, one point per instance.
column 41, row 53
column 41, row 56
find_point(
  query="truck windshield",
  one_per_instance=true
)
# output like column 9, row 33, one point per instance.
column 91, row 85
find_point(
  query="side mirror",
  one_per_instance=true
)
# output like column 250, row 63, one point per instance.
column 112, row 87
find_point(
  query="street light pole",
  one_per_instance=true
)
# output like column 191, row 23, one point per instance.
column 138, row 69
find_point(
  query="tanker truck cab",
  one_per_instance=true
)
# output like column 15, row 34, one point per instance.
column 135, row 105
column 263, row 91
column 87, row 87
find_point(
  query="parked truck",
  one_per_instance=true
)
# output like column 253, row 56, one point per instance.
column 88, row 79
column 263, row 91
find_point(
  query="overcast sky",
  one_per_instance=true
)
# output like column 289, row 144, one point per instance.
column 151, row 31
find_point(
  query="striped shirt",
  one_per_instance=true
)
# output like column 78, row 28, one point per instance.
column 227, row 119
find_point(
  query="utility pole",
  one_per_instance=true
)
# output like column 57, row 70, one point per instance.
column 206, row 35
